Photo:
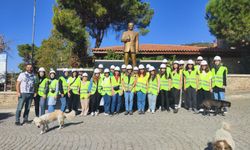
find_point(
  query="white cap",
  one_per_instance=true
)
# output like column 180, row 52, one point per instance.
column 117, row 68
column 52, row 71
column 100, row 66
column 141, row 66
column 84, row 74
column 41, row 69
column 147, row 66
column 199, row 58
column 65, row 70
column 190, row 61
column 164, row 61
column 163, row 66
column 81, row 69
column 136, row 68
column 181, row 62
column 151, row 68
column 123, row 66
column 112, row 67
column 129, row 67
column 176, row 62
column 203, row 62
column 74, row 70
column 217, row 58
column 106, row 70
column 96, row 70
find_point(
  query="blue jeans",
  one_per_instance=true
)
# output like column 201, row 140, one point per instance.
column 51, row 108
column 63, row 104
column 141, row 97
column 25, row 98
column 42, row 104
column 107, row 100
column 152, row 101
column 116, row 103
column 128, row 100
column 219, row 95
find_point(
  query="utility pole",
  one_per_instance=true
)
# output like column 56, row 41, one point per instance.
column 33, row 33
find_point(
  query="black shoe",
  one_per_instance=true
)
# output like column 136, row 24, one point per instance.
column 126, row 113
column 18, row 124
column 130, row 113
column 163, row 109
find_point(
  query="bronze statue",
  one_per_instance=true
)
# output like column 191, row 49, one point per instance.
column 131, row 44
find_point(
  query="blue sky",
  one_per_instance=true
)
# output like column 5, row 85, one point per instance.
column 174, row 22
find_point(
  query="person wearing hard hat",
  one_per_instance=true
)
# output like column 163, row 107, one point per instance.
column 204, row 83
column 73, row 91
column 176, row 85
column 100, row 67
column 190, row 86
column 168, row 68
column 117, row 87
column 165, row 81
column 141, row 89
column 53, row 91
column 153, row 88
column 128, row 85
column 84, row 94
column 135, row 71
column 219, row 79
column 63, row 89
column 95, row 89
column 112, row 70
column 107, row 91
column 40, row 99
column 198, row 62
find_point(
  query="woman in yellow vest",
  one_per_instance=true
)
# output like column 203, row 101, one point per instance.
column 107, row 91
column 73, row 91
column 165, row 81
column 176, row 85
column 53, row 91
column 63, row 89
column 190, row 86
column 95, row 89
column 153, row 88
column 141, row 89
column 84, row 94
column 204, row 83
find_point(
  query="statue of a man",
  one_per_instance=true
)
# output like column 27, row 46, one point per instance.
column 131, row 44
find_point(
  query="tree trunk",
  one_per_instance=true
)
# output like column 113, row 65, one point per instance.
column 99, row 38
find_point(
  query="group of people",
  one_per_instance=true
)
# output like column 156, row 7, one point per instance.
column 168, row 88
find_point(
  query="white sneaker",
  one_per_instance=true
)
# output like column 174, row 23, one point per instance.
column 148, row 110
column 153, row 111
column 201, row 110
column 106, row 114
column 92, row 114
column 96, row 113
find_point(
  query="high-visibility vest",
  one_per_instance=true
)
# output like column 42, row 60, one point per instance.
column 52, row 87
column 74, row 86
column 106, row 86
column 153, row 86
column 217, row 77
column 190, row 78
column 197, row 68
column 41, row 88
column 128, row 85
column 141, row 84
column 176, row 79
column 204, row 80
column 84, row 90
column 164, row 82
column 116, row 83
column 95, row 87
column 64, row 85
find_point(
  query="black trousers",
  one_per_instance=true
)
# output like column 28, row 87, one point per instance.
column 176, row 95
column 95, row 101
column 164, row 99
column 203, row 95
column 191, row 98
column 74, row 102
column 36, row 103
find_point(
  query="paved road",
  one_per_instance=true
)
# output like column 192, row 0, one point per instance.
column 162, row 130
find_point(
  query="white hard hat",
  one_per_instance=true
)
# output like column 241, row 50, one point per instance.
column 106, row 70
column 117, row 68
column 41, row 69
column 151, row 68
column 112, row 67
column 96, row 70
column 203, row 62
column 190, row 61
column 181, row 62
column 164, row 61
column 176, row 62
column 129, row 67
column 217, row 58
column 136, row 68
column 74, row 70
column 199, row 58
column 84, row 74
column 100, row 66
column 141, row 66
column 81, row 69
column 65, row 70
column 123, row 66
column 163, row 66
column 147, row 66
column 52, row 71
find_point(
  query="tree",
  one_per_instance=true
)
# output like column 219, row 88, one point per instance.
column 3, row 44
column 229, row 20
column 24, row 51
column 99, row 16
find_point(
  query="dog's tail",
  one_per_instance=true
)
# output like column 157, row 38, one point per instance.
column 226, row 126
column 70, row 115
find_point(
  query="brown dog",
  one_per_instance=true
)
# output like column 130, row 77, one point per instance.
column 217, row 105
